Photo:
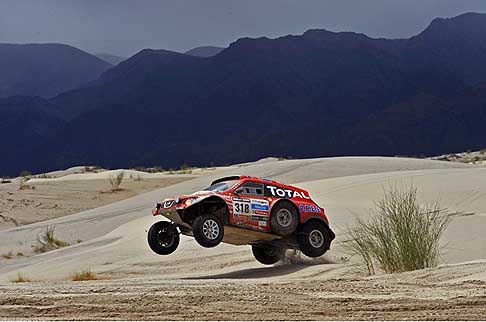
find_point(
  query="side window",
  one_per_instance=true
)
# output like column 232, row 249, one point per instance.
column 251, row 189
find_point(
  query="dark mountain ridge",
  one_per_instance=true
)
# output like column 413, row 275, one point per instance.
column 111, row 59
column 204, row 51
column 318, row 94
column 45, row 69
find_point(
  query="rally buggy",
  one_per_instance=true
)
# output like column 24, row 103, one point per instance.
column 268, row 215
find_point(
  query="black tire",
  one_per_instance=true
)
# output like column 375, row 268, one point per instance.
column 284, row 218
column 208, row 230
column 314, row 239
column 267, row 254
column 163, row 238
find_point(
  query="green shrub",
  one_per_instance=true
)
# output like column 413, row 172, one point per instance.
column 401, row 235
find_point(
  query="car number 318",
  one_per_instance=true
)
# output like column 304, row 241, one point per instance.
column 241, row 208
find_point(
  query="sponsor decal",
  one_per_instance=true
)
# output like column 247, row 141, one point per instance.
column 262, row 223
column 309, row 208
column 260, row 218
column 260, row 212
column 259, row 202
column 257, row 206
column 168, row 203
column 241, row 199
column 287, row 193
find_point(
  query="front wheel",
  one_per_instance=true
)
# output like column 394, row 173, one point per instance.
column 314, row 239
column 208, row 230
column 267, row 254
column 163, row 238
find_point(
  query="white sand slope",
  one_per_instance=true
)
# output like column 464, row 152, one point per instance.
column 114, row 237
column 104, row 175
column 460, row 191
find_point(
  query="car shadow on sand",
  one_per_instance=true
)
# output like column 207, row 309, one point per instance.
column 288, row 266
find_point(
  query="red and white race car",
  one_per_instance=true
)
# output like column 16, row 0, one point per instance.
column 238, row 210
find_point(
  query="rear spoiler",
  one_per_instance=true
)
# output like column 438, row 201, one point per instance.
column 225, row 179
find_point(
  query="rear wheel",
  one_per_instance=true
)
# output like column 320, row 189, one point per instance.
column 163, row 238
column 267, row 254
column 284, row 218
column 314, row 239
column 208, row 230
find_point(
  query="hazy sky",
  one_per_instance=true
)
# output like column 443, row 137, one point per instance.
column 123, row 27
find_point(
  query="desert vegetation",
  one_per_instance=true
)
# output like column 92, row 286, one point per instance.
column 21, row 278
column 43, row 176
column 150, row 170
column 137, row 177
column 47, row 241
column 24, row 177
column 8, row 255
column 400, row 235
column 471, row 157
column 83, row 275
column 116, row 180
column 92, row 169
column 185, row 169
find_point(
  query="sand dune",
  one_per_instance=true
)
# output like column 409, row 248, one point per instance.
column 114, row 236
column 126, row 221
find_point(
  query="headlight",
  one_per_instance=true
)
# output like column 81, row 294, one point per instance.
column 189, row 202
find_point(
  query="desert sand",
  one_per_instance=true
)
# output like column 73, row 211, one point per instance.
column 46, row 198
column 227, row 283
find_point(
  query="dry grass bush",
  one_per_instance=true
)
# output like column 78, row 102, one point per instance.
column 83, row 275
column 47, row 241
column 116, row 180
column 150, row 170
column 43, row 176
column 92, row 169
column 8, row 255
column 401, row 235
column 23, row 184
column 21, row 278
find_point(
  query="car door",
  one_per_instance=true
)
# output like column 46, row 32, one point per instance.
column 250, row 207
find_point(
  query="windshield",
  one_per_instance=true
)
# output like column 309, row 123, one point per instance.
column 222, row 186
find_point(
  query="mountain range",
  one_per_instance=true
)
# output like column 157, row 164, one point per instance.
column 111, row 59
column 45, row 70
column 321, row 93
column 205, row 51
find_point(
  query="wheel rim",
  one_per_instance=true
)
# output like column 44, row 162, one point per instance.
column 272, row 251
column 164, row 239
column 284, row 217
column 210, row 229
column 316, row 239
